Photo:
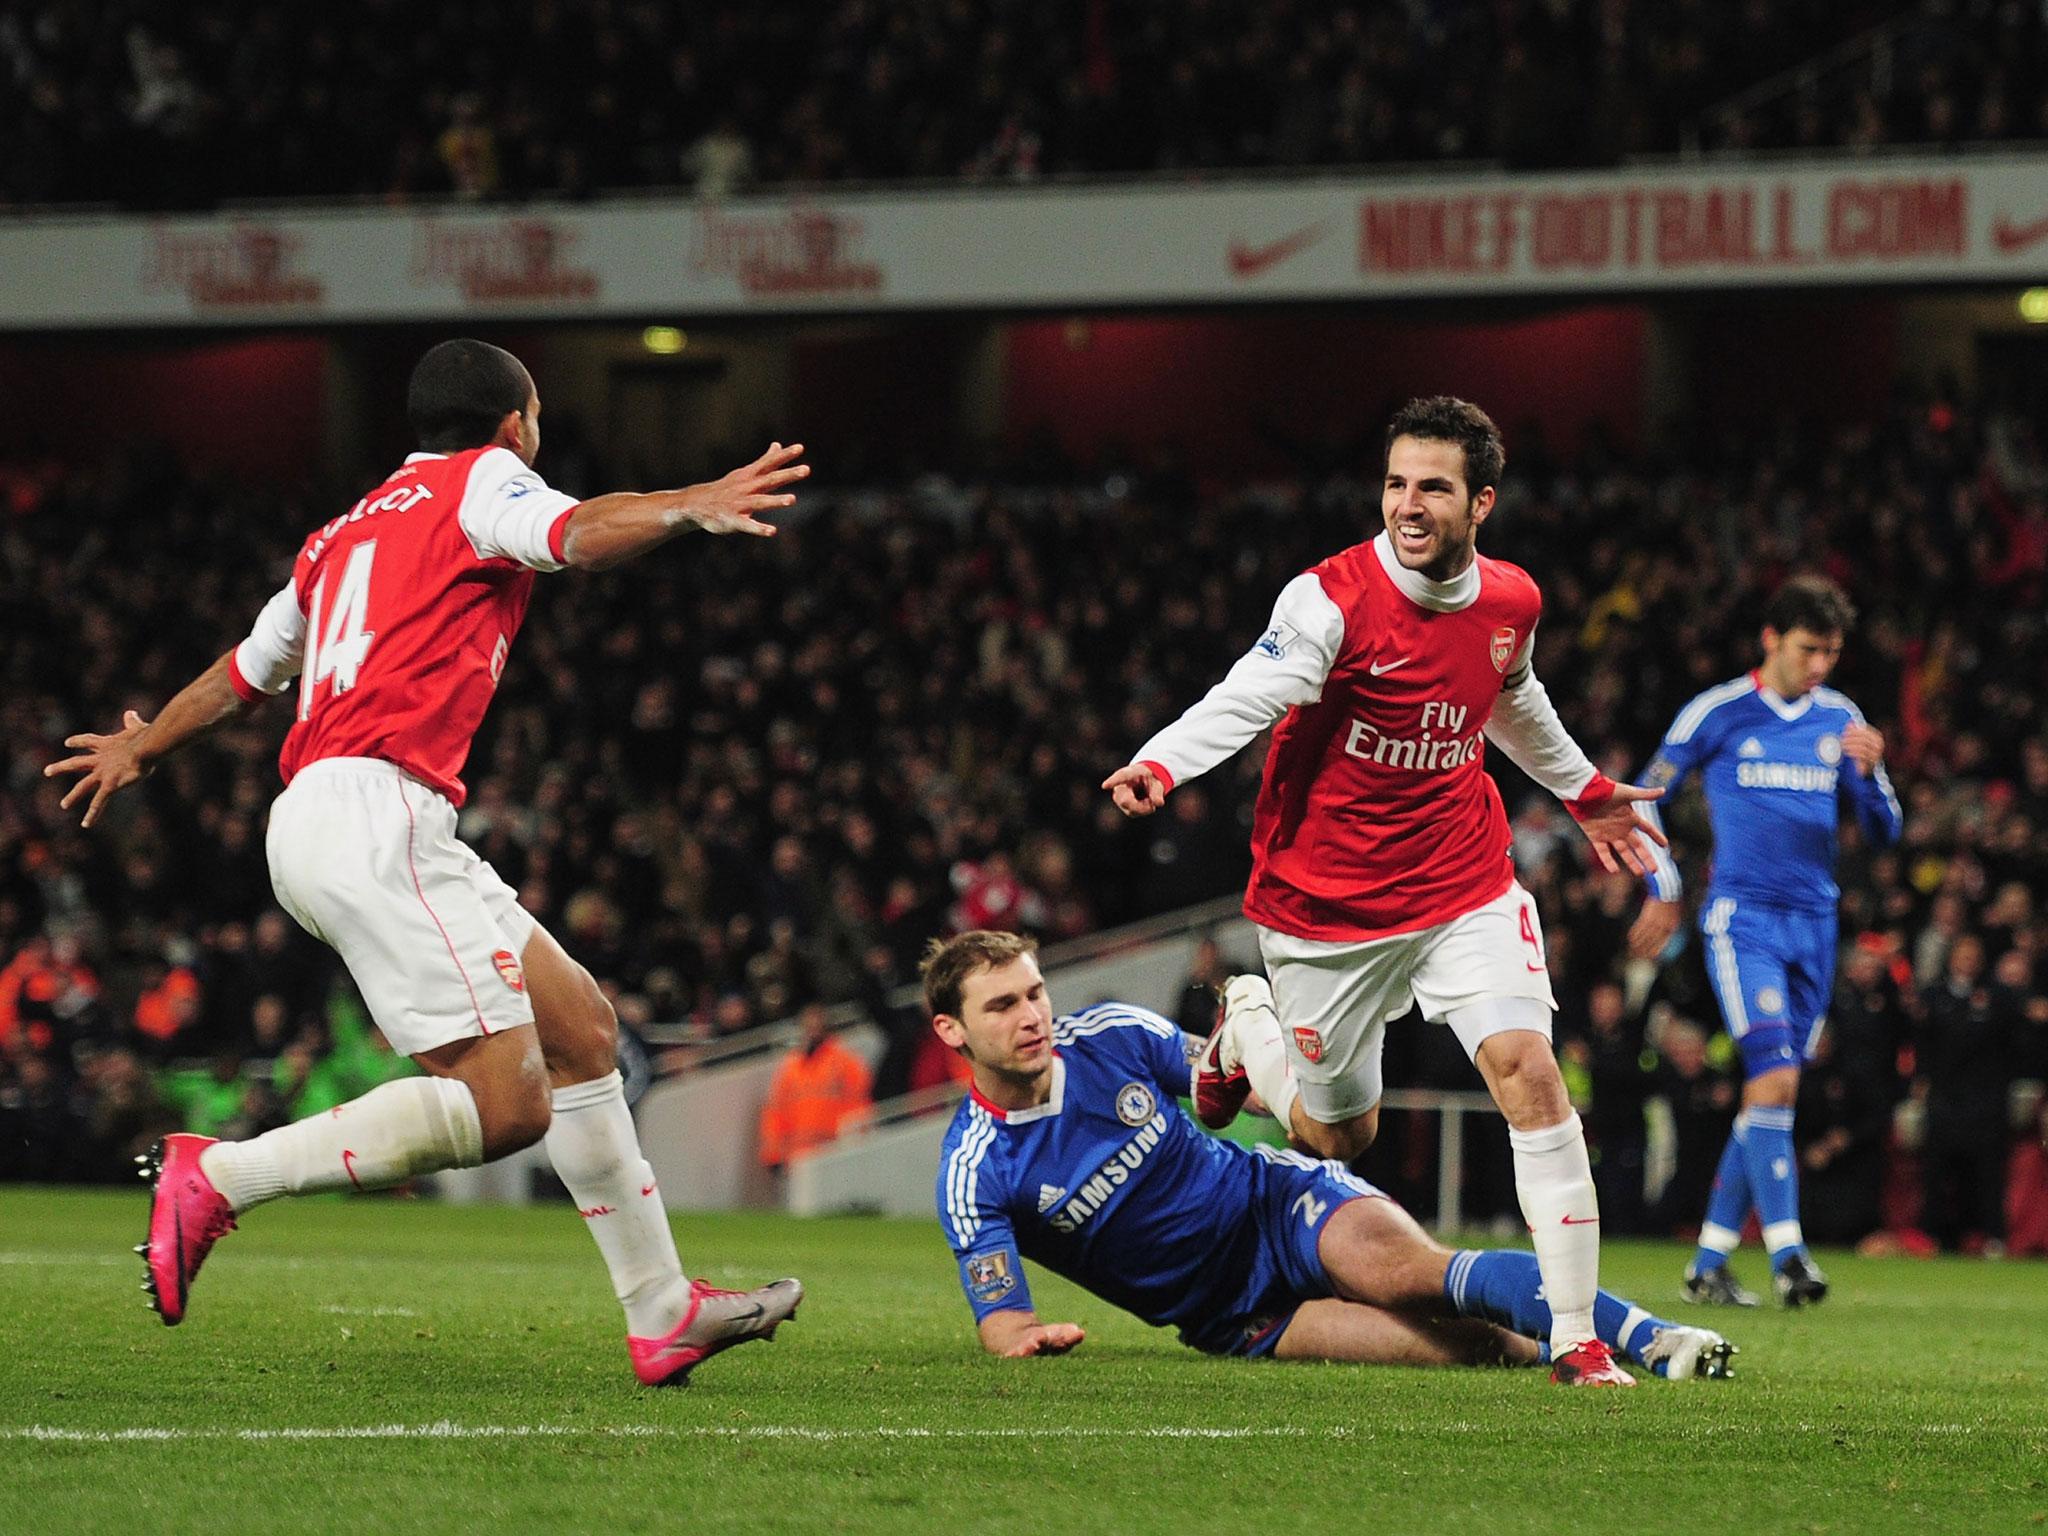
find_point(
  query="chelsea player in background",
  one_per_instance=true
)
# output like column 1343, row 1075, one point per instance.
column 1775, row 751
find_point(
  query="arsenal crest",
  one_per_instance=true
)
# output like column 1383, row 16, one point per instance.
column 1309, row 1043
column 508, row 970
column 1503, row 648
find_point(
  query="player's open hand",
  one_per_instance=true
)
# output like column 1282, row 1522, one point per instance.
column 1136, row 790
column 1046, row 1339
column 1863, row 745
column 1618, row 833
column 735, row 503
column 108, row 764
column 1653, row 928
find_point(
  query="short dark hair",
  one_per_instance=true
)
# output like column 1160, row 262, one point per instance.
column 949, row 962
column 1447, row 419
column 1811, row 603
column 461, row 390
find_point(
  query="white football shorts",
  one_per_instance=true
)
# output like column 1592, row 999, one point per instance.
column 1483, row 973
column 365, row 857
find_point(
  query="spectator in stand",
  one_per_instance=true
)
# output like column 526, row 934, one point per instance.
column 819, row 1089
column 209, row 102
column 1611, row 1052
column 1702, row 1099
column 668, row 801
column 1201, row 995
column 1868, row 1026
column 1843, row 1119
column 125, row 1115
column 1969, row 1037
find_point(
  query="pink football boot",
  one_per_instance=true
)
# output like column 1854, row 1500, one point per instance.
column 187, row 1216
column 716, row 1320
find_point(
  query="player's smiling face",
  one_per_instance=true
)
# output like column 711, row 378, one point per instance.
column 1005, row 1029
column 1798, row 661
column 1431, row 516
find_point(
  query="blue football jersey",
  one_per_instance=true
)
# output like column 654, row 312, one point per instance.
column 1108, row 1183
column 1774, row 777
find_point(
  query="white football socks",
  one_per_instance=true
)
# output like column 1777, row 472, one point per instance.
column 1255, row 1033
column 1555, row 1182
column 596, row 1152
column 392, row 1133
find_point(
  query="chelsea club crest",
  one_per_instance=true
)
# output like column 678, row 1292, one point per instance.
column 1135, row 1104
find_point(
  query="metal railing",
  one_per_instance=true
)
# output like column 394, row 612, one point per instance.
column 1868, row 60
column 779, row 1034
column 864, row 1170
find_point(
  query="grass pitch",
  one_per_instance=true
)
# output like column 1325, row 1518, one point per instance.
column 382, row 1365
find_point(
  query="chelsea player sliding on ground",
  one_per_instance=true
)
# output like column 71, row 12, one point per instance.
column 1770, row 749
column 1072, row 1151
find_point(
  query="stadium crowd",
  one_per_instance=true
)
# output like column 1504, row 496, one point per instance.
column 159, row 107
column 747, row 780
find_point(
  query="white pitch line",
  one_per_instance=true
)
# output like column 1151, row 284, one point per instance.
column 446, row 1430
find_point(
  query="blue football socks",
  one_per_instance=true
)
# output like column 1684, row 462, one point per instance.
column 1728, row 1205
column 1774, row 1180
column 1506, row 1287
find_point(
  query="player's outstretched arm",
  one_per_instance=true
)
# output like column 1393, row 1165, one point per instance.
column 609, row 530
column 1288, row 666
column 109, row 764
column 1018, row 1334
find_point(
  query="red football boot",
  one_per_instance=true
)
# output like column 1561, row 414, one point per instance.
column 1590, row 1364
column 716, row 1320
column 187, row 1216
column 1220, row 1084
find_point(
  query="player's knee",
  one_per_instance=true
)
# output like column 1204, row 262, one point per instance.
column 1775, row 1089
column 522, row 1121
column 586, row 1038
column 599, row 1029
column 1525, row 1079
column 515, row 1112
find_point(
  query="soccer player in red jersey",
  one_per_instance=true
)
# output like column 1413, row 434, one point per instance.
column 396, row 623
column 1380, row 852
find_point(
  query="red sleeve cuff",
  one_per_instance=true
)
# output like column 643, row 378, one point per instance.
column 558, row 537
column 248, row 691
column 1159, row 772
column 1593, row 796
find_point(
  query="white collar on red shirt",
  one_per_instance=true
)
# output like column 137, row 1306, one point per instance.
column 1461, row 591
column 1043, row 1111
column 414, row 458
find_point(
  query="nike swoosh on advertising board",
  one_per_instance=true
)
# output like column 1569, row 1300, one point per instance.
column 1247, row 261
column 2012, row 238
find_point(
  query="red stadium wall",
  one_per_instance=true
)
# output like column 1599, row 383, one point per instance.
column 1230, row 392
column 249, row 407
column 1812, row 358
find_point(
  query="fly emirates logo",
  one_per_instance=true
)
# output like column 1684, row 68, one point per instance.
column 1441, row 745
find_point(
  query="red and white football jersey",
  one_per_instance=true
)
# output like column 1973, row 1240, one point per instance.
column 1376, row 815
column 400, row 613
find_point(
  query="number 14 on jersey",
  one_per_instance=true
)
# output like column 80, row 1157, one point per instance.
column 339, row 650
